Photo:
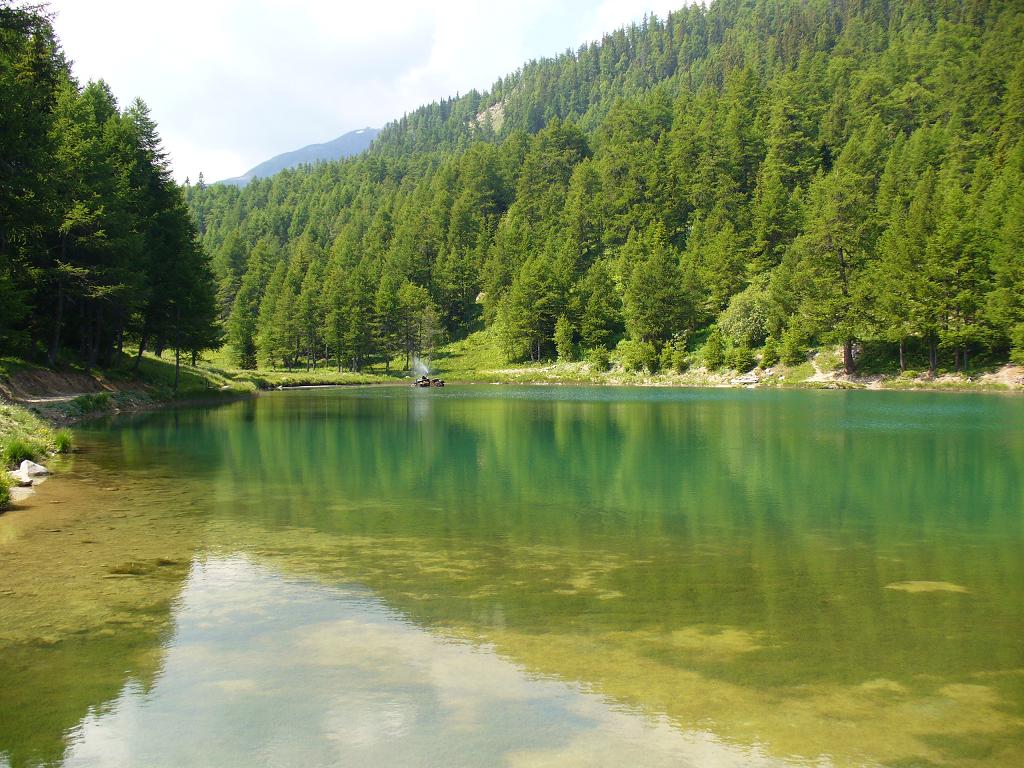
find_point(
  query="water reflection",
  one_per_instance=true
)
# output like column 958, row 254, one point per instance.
column 550, row 575
column 268, row 670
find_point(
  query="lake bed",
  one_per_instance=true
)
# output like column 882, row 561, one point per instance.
column 524, row 576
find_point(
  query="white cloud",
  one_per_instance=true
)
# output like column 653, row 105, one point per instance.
column 233, row 82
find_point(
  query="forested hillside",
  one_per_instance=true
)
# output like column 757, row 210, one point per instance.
column 767, row 173
column 97, row 246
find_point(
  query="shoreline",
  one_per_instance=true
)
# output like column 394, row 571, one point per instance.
column 43, row 414
column 563, row 375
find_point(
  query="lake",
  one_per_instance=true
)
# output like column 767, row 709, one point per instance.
column 524, row 576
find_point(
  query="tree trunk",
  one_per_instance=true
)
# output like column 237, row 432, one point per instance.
column 97, row 336
column 848, row 364
column 142, row 344
column 177, row 347
column 58, row 321
column 933, row 358
column 903, row 361
column 965, row 358
column 83, row 334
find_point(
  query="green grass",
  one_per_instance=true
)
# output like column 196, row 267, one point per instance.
column 469, row 359
column 11, row 365
column 63, row 441
column 18, row 449
column 23, row 435
column 797, row 374
column 5, row 490
column 215, row 376
column 317, row 377
column 158, row 374
column 93, row 402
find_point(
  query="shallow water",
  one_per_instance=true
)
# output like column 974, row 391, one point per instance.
column 486, row 576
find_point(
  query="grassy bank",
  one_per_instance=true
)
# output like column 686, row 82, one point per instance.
column 478, row 358
column 24, row 435
column 72, row 393
column 35, row 402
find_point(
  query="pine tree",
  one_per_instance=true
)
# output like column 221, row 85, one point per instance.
column 832, row 259
column 601, row 316
column 654, row 307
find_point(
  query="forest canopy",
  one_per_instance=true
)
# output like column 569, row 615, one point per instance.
column 756, row 174
column 97, row 245
column 777, row 172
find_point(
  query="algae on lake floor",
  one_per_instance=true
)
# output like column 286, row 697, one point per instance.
column 662, row 553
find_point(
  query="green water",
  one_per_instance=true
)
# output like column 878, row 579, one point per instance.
column 484, row 576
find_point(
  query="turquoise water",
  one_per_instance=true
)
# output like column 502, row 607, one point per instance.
column 525, row 576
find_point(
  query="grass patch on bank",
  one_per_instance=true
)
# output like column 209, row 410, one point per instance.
column 63, row 441
column 214, row 375
column 23, row 435
column 158, row 374
column 470, row 359
column 312, row 378
column 17, row 450
column 12, row 365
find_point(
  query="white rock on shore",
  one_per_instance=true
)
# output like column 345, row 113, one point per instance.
column 28, row 472
column 31, row 469
column 20, row 480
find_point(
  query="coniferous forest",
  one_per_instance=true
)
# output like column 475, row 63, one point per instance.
column 748, row 179
column 97, row 245
column 758, row 174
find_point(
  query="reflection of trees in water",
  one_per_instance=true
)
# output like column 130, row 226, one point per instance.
column 624, row 543
column 785, row 513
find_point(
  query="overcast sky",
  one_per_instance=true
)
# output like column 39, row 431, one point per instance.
column 233, row 82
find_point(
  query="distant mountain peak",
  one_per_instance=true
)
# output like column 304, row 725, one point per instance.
column 351, row 143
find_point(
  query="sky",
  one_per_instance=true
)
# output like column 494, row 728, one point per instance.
column 234, row 82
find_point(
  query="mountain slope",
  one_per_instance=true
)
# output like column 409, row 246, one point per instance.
column 757, row 174
column 352, row 143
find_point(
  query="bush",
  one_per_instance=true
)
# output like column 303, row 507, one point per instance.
column 665, row 358
column 680, row 361
column 5, row 490
column 62, row 441
column 793, row 349
column 563, row 339
column 770, row 352
column 746, row 318
column 637, row 355
column 714, row 350
column 742, row 358
column 16, row 450
column 90, row 403
column 1017, row 344
column 598, row 358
